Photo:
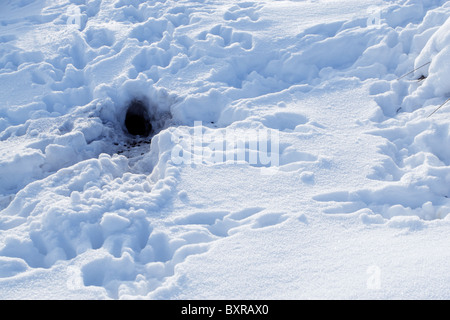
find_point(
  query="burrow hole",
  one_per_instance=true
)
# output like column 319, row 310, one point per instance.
column 137, row 119
column 142, row 120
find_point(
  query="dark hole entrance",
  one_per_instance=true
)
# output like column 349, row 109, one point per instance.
column 137, row 119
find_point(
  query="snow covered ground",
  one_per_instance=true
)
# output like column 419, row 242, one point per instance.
column 292, row 152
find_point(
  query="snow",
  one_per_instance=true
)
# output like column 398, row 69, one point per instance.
column 292, row 152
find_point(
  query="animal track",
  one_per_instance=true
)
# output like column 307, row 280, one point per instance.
column 150, row 31
column 284, row 121
column 157, row 254
column 268, row 220
column 416, row 172
column 243, row 10
column 397, row 199
column 222, row 223
column 98, row 37
column 226, row 37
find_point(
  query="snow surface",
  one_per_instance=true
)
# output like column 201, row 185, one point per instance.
column 355, row 207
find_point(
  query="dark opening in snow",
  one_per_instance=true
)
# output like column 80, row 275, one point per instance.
column 137, row 119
